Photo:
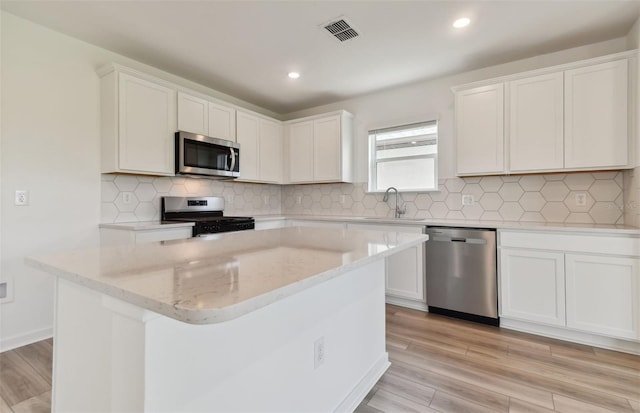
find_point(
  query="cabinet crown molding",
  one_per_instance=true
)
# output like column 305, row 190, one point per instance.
column 321, row 115
column 557, row 68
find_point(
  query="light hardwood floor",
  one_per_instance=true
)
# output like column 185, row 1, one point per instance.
column 438, row 365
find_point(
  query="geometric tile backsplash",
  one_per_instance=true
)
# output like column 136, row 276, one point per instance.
column 535, row 198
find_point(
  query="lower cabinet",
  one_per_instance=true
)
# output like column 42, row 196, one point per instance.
column 532, row 286
column 580, row 282
column 603, row 294
column 405, row 280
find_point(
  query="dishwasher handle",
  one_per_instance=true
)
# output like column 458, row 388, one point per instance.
column 442, row 238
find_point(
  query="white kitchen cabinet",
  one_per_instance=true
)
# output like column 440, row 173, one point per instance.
column 596, row 116
column 532, row 286
column 603, row 294
column 320, row 148
column 301, row 156
column 222, row 122
column 536, row 123
column 247, row 137
column 193, row 114
column 584, row 285
column 479, row 130
column 261, row 148
column 405, row 279
column 138, row 122
column 198, row 115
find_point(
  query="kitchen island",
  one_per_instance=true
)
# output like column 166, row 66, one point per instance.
column 282, row 320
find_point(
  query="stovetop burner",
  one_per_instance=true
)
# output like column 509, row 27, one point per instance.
column 206, row 212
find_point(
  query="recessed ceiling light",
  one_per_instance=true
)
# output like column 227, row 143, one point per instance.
column 294, row 75
column 461, row 22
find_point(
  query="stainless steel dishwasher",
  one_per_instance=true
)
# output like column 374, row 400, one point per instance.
column 461, row 273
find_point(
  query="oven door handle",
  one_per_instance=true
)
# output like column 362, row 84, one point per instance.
column 233, row 159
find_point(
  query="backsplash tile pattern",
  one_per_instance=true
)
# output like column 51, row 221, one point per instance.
column 535, row 198
column 632, row 197
column 144, row 194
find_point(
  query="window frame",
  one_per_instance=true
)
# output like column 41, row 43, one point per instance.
column 373, row 161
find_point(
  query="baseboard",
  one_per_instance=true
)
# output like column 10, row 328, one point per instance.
column 357, row 395
column 415, row 305
column 625, row 346
column 10, row 343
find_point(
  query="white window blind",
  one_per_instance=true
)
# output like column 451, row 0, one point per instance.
column 405, row 157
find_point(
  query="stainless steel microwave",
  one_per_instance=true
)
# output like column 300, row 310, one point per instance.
column 203, row 155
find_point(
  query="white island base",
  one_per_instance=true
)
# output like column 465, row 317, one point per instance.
column 110, row 355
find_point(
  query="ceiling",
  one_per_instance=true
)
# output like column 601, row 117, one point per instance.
column 246, row 48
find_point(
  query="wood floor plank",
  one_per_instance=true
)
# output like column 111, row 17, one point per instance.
column 408, row 389
column 365, row 408
column 40, row 356
column 38, row 404
column 4, row 406
column 520, row 406
column 569, row 405
column 525, row 378
column 19, row 381
column 448, row 403
column 479, row 395
column 479, row 378
column 397, row 342
column 390, row 402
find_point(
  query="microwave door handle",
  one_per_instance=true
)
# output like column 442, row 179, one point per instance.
column 233, row 159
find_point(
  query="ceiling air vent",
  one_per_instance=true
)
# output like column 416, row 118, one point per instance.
column 341, row 29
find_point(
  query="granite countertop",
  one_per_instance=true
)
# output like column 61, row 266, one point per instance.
column 206, row 281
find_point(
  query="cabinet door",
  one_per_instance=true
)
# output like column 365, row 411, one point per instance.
column 222, row 122
column 603, row 294
column 596, row 116
column 193, row 114
column 479, row 124
column 405, row 269
column 301, row 152
column 536, row 123
column 270, row 149
column 147, row 124
column 532, row 286
column 327, row 151
column 247, row 137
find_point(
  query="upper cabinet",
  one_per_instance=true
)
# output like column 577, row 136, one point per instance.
column 261, row 148
column 569, row 118
column 596, row 116
column 536, row 121
column 320, row 148
column 200, row 116
column 138, row 122
column 480, row 130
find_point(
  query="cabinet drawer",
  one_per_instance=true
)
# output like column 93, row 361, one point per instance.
column 592, row 243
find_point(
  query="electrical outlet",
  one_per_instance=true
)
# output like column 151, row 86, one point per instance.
column 581, row 199
column 266, row 199
column 298, row 200
column 22, row 198
column 468, row 200
column 342, row 199
column 126, row 197
column 319, row 354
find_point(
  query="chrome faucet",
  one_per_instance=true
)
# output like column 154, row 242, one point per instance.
column 399, row 209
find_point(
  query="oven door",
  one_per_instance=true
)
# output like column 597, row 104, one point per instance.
column 203, row 155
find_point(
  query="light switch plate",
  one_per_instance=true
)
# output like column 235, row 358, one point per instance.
column 468, row 200
column 22, row 198
column 581, row 199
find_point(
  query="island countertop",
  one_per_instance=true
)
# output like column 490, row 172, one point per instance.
column 206, row 281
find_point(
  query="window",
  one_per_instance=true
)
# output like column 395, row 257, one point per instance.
column 405, row 157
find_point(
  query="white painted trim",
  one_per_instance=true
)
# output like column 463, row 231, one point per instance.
column 355, row 397
column 24, row 339
column 545, row 70
column 562, row 333
column 415, row 305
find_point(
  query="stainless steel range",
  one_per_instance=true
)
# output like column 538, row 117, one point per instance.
column 206, row 212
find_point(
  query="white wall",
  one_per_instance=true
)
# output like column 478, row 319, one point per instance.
column 50, row 147
column 433, row 98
